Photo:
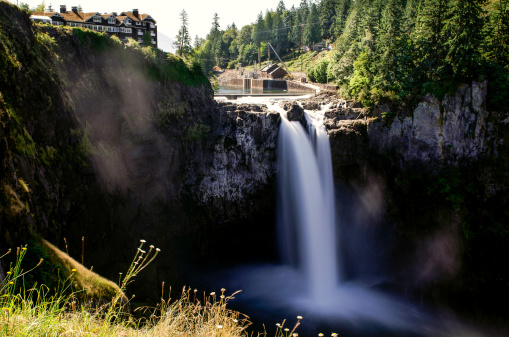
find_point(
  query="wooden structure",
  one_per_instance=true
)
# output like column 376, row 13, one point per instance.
column 127, row 25
column 273, row 71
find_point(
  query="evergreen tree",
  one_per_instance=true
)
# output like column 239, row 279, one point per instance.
column 428, row 37
column 280, row 36
column 327, row 11
column 464, row 31
column 388, row 45
column 410, row 15
column 281, row 8
column 297, row 30
column 304, row 10
column 312, row 31
column 259, row 32
column 339, row 21
column 497, row 32
column 183, row 39
column 198, row 42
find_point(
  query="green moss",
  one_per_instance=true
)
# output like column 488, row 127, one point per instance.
column 197, row 131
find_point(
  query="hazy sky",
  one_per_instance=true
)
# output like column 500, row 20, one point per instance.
column 166, row 13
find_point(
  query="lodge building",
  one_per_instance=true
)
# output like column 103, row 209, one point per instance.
column 127, row 25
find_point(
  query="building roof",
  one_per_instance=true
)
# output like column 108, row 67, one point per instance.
column 277, row 70
column 269, row 67
column 82, row 17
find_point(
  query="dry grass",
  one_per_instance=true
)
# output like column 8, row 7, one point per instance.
column 34, row 312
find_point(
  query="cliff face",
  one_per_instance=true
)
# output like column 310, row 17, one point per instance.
column 447, row 133
column 439, row 178
column 118, row 144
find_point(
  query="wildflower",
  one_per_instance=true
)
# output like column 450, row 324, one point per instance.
column 299, row 317
column 295, row 335
column 212, row 294
column 219, row 326
column 235, row 320
column 141, row 251
column 24, row 248
column 136, row 262
column 142, row 241
column 152, row 247
column 6, row 308
column 334, row 334
column 8, row 273
column 73, row 269
column 223, row 290
column 320, row 334
column 278, row 325
column 11, row 282
column 195, row 290
column 158, row 250
column 286, row 329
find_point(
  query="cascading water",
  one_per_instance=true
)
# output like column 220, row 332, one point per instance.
column 308, row 282
column 306, row 204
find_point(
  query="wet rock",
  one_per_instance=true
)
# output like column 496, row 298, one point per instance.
column 294, row 111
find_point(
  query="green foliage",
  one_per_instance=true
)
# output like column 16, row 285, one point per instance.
column 99, row 41
column 318, row 71
column 465, row 36
column 197, row 132
column 312, row 31
column 183, row 38
column 498, row 87
column 147, row 39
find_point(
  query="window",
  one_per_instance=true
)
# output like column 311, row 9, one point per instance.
column 126, row 30
column 140, row 40
column 152, row 25
column 112, row 21
column 140, row 32
column 128, row 22
column 97, row 19
column 138, row 23
column 57, row 23
column 144, row 23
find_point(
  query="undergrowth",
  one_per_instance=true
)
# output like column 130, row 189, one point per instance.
column 66, row 310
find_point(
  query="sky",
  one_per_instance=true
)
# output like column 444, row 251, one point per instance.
column 166, row 13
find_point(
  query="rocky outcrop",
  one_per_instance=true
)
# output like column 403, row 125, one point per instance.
column 95, row 144
column 443, row 133
column 243, row 159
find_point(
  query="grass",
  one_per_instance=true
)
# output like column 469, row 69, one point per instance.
column 69, row 310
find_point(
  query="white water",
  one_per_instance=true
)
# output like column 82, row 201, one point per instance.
column 308, row 283
column 306, row 203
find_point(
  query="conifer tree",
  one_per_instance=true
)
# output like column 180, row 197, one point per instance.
column 388, row 44
column 428, row 37
column 464, row 31
column 339, row 20
column 259, row 33
column 183, row 39
column 497, row 32
column 297, row 30
column 327, row 11
column 304, row 10
column 312, row 32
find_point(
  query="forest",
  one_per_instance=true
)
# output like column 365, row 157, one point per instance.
column 382, row 51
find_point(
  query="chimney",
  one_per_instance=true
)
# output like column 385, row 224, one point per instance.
column 75, row 9
column 135, row 12
column 63, row 9
column 114, row 14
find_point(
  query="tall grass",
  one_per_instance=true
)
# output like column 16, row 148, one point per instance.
column 37, row 311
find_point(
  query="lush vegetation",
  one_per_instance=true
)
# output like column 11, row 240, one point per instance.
column 382, row 50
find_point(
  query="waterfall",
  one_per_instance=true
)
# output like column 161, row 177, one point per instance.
column 306, row 199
